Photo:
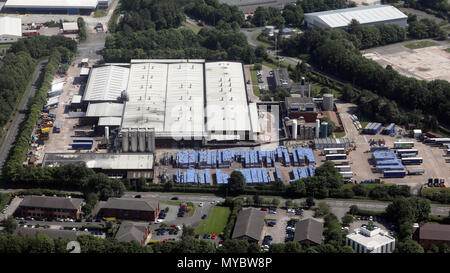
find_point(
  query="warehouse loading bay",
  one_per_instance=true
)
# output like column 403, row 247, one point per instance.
column 434, row 162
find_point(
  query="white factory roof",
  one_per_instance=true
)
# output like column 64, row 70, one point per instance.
column 106, row 83
column 53, row 100
column 104, row 109
column 70, row 26
column 364, row 15
column 84, row 71
column 76, row 4
column 227, row 108
column 378, row 237
column 105, row 161
column 57, row 86
column 166, row 96
column 11, row 26
column 109, row 121
column 58, row 80
column 253, row 108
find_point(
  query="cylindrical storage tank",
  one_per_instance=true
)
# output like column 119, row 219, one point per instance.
column 294, row 129
column 125, row 141
column 142, row 143
column 151, row 140
column 324, row 129
column 328, row 102
column 301, row 120
column 107, row 133
column 134, row 140
column 317, row 128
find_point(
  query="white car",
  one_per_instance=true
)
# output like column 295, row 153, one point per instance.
column 159, row 221
column 74, row 229
column 290, row 210
column 71, row 220
column 201, row 204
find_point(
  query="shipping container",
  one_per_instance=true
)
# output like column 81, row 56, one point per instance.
column 394, row 174
column 416, row 171
column 327, row 151
column 412, row 160
column 344, row 168
column 340, row 162
column 82, row 145
column 346, row 174
column 83, row 139
column 407, row 151
column 336, row 156
column 403, row 145
column 390, row 129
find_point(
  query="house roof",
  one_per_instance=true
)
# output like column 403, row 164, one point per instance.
column 130, row 231
column 52, row 233
column 131, row 204
column 434, row 232
column 51, row 202
column 250, row 223
column 309, row 229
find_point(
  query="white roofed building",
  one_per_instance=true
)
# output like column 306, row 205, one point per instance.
column 68, row 6
column 10, row 30
column 106, row 83
column 365, row 15
column 363, row 240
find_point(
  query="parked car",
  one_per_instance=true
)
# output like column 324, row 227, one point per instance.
column 264, row 209
column 174, row 198
column 204, row 216
column 197, row 236
column 271, row 223
column 209, row 236
column 213, row 236
column 205, row 236
column 138, row 196
column 200, row 204
column 248, row 82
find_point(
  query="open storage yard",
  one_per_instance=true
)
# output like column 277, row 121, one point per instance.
column 423, row 61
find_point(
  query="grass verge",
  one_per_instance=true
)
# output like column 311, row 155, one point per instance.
column 99, row 13
column 421, row 44
column 255, row 82
column 216, row 221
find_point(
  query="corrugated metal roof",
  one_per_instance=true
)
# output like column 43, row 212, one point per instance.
column 80, row 4
column 106, row 83
column 104, row 109
column 227, row 107
column 70, row 26
column 364, row 15
column 11, row 26
column 109, row 121
column 76, row 99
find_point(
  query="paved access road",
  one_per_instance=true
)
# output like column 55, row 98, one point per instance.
column 11, row 134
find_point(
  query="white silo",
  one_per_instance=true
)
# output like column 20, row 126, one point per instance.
column 134, row 140
column 125, row 140
column 142, row 143
column 317, row 128
column 328, row 102
column 294, row 129
column 107, row 134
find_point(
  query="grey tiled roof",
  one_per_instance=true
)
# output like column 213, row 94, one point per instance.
column 50, row 202
column 250, row 223
column 131, row 204
column 434, row 232
column 130, row 231
column 309, row 229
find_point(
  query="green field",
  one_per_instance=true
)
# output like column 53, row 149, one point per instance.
column 99, row 13
column 318, row 86
column 339, row 134
column 421, row 44
column 216, row 222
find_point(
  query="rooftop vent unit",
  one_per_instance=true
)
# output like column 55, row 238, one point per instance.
column 142, row 86
column 143, row 76
column 144, row 67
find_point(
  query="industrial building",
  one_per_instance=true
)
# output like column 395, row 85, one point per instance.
column 365, row 15
column 281, row 78
column 70, row 27
column 54, row 6
column 10, row 30
column 172, row 100
column 321, row 143
column 297, row 106
column 50, row 207
column 115, row 165
column 303, row 88
column 363, row 240
column 249, row 225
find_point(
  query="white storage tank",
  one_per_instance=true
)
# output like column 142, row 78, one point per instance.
column 328, row 102
column 142, row 143
column 134, row 140
column 317, row 128
column 294, row 129
column 125, row 141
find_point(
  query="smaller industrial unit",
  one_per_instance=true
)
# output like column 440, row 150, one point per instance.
column 365, row 15
column 55, row 6
column 10, row 30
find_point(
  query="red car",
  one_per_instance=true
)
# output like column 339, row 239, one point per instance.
column 165, row 240
column 264, row 209
column 213, row 236
column 221, row 241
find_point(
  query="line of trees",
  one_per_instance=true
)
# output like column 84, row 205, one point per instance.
column 213, row 12
column 82, row 32
column 424, row 28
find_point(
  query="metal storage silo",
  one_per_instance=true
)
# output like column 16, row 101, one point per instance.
column 134, row 140
column 294, row 129
column 150, row 134
column 317, row 128
column 141, row 134
column 328, row 102
column 324, row 129
column 107, row 134
column 125, row 140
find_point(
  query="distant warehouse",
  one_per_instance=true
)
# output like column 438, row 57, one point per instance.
column 54, row 6
column 365, row 15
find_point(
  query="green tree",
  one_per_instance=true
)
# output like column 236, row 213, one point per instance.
column 236, row 183
column 10, row 224
column 310, row 202
column 322, row 209
column 277, row 248
column 288, row 203
column 400, row 211
column 347, row 220
column 408, row 246
column 421, row 207
column 276, row 201
column 188, row 231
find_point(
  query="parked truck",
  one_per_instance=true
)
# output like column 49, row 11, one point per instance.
column 403, row 145
column 412, row 160
column 394, row 174
column 82, row 145
column 416, row 171
column 336, row 157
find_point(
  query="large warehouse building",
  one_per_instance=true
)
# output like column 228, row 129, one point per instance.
column 365, row 15
column 171, row 100
column 55, row 6
column 10, row 30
